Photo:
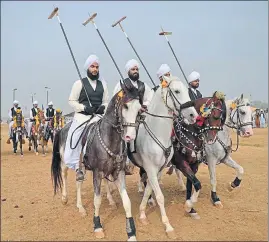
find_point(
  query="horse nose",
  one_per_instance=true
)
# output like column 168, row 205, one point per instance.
column 127, row 138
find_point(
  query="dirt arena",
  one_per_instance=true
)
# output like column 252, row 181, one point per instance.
column 30, row 212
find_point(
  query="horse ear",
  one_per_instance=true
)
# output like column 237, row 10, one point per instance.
column 242, row 96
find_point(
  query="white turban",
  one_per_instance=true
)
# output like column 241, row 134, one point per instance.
column 35, row 102
column 50, row 103
column 91, row 59
column 16, row 102
column 193, row 76
column 164, row 68
column 131, row 64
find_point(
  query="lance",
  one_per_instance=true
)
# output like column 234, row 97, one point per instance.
column 55, row 13
column 165, row 35
column 119, row 23
column 91, row 19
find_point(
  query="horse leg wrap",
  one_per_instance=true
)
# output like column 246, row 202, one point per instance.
column 197, row 185
column 97, row 223
column 214, row 197
column 236, row 182
column 130, row 227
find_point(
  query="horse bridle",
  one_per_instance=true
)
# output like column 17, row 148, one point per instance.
column 211, row 108
column 238, row 125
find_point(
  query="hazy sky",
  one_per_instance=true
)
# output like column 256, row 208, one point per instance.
column 226, row 42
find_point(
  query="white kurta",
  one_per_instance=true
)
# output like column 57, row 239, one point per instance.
column 71, row 156
column 11, row 121
column 147, row 95
column 30, row 124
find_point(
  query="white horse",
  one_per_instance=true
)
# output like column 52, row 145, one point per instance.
column 153, row 144
column 104, row 154
column 238, row 117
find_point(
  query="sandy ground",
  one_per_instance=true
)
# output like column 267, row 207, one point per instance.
column 29, row 211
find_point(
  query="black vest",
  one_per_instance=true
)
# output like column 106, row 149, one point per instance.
column 13, row 112
column 95, row 96
column 49, row 113
column 34, row 112
column 132, row 91
column 193, row 96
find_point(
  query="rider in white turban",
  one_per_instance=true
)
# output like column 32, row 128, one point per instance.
column 11, row 114
column 194, row 79
column 97, row 92
column 33, row 113
column 163, row 70
column 132, row 69
column 90, row 60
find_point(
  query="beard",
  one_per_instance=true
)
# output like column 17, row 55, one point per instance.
column 91, row 76
column 134, row 77
column 195, row 86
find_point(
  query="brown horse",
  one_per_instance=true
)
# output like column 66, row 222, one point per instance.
column 38, row 132
column 190, row 140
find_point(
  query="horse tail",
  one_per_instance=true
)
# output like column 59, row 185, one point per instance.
column 56, row 169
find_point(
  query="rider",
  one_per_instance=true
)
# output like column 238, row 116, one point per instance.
column 194, row 79
column 132, row 69
column 97, row 92
column 33, row 113
column 164, row 70
column 50, row 111
column 11, row 114
column 49, row 114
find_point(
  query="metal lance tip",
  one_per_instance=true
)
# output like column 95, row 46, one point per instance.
column 113, row 25
column 53, row 13
column 165, row 33
column 89, row 19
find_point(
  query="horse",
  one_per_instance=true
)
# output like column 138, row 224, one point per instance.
column 38, row 132
column 58, row 122
column 104, row 153
column 190, row 140
column 238, row 117
column 153, row 148
column 18, row 130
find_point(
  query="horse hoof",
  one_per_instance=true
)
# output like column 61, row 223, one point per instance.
column 43, row 155
column 99, row 234
column 230, row 188
column 64, row 200
column 218, row 204
column 133, row 238
column 171, row 234
column 195, row 216
column 188, row 206
column 83, row 212
column 36, row 153
column 144, row 221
